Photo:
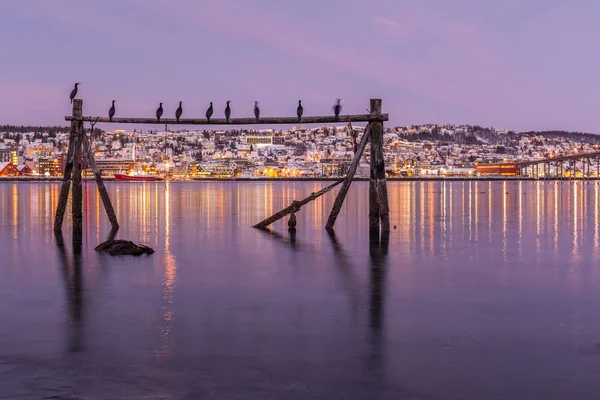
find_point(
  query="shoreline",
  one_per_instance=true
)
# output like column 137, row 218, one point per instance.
column 313, row 179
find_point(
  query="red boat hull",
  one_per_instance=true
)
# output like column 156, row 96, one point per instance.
column 148, row 178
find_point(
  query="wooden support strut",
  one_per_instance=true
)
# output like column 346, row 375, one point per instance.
column 100, row 183
column 78, row 143
column 341, row 196
column 66, row 185
column 236, row 121
column 295, row 206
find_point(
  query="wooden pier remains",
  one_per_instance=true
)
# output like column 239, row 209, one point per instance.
column 78, row 146
column 378, row 199
column 379, row 213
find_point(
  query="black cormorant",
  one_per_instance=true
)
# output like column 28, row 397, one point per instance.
column 111, row 111
column 159, row 112
column 178, row 112
column 299, row 110
column 256, row 110
column 227, row 111
column 74, row 92
column 337, row 109
column 209, row 112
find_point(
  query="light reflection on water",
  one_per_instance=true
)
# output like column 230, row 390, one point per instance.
column 481, row 284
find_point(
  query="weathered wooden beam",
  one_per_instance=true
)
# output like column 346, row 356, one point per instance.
column 238, row 121
column 295, row 206
column 77, row 197
column 373, row 205
column 341, row 196
column 382, row 200
column 66, row 185
column 379, row 213
column 110, row 211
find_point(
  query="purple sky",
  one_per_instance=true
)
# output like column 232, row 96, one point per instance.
column 516, row 64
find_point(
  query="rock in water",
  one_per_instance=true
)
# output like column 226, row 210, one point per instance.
column 123, row 248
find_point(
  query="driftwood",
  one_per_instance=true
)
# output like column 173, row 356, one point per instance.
column 236, row 121
column 123, row 247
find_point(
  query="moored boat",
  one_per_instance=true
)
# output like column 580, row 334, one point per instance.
column 134, row 176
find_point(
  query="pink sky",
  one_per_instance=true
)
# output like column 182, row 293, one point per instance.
column 513, row 64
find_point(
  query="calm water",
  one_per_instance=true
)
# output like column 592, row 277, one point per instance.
column 487, row 291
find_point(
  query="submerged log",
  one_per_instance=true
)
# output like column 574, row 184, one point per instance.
column 295, row 206
column 123, row 247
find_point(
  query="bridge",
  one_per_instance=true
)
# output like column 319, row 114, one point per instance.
column 577, row 166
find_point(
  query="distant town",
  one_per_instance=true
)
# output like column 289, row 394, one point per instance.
column 299, row 152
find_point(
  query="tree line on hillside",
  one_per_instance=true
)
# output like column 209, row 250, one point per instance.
column 466, row 135
column 581, row 137
column 51, row 130
column 481, row 135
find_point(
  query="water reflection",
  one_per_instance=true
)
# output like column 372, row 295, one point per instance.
column 290, row 240
column 378, row 250
column 347, row 272
column 596, row 227
column 503, row 272
column 73, row 281
column 169, row 279
column 510, row 214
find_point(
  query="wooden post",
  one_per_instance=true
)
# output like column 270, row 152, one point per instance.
column 66, row 185
column 77, row 195
column 100, row 183
column 295, row 206
column 379, row 213
column 339, row 200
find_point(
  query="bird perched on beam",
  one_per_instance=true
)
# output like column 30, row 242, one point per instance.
column 256, row 110
column 299, row 110
column 159, row 112
column 337, row 109
column 209, row 112
column 228, row 111
column 178, row 112
column 74, row 92
column 111, row 111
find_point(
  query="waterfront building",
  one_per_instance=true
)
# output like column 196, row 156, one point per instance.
column 8, row 169
column 455, row 171
column 48, row 167
column 259, row 140
column 217, row 168
column 507, row 169
column 111, row 166
column 9, row 155
column 24, row 170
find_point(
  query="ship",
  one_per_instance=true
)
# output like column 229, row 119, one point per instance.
column 138, row 176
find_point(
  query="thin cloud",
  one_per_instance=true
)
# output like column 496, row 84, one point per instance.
column 390, row 27
column 239, row 21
